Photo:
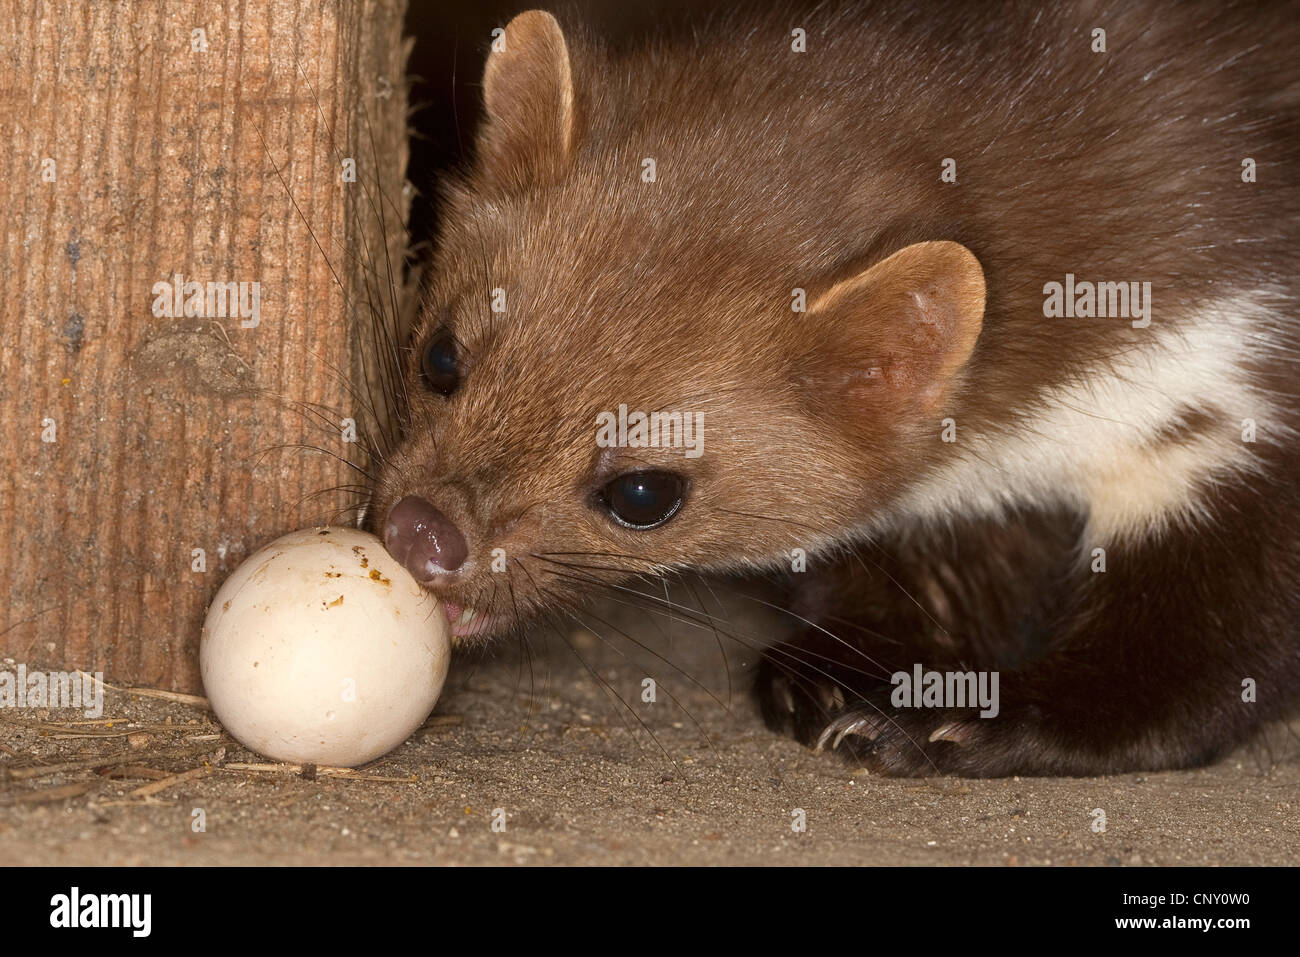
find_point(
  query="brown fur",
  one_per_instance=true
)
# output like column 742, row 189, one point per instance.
column 778, row 170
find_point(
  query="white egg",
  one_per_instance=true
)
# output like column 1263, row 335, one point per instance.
column 321, row 648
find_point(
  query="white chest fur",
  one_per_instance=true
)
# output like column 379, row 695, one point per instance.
column 1111, row 441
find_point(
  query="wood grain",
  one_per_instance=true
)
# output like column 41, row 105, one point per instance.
column 221, row 164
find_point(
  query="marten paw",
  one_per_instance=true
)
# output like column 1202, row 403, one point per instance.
column 912, row 742
column 891, row 741
column 798, row 703
column 873, row 733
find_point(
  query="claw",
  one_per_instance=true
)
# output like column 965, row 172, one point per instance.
column 954, row 731
column 846, row 725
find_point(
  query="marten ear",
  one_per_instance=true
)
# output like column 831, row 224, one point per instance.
column 528, row 135
column 891, row 340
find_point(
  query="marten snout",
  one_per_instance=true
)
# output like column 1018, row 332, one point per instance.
column 423, row 539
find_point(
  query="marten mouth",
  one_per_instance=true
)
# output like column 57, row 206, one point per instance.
column 468, row 622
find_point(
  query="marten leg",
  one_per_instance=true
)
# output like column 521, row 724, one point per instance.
column 1182, row 646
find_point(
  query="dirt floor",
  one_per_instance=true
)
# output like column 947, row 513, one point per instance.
column 581, row 782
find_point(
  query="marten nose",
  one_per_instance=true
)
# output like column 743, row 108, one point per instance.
column 423, row 539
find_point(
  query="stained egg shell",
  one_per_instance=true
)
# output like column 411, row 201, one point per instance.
column 321, row 648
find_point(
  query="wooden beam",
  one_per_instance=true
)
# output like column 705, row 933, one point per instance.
column 207, row 140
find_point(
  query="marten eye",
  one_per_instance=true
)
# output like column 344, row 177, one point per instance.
column 644, row 500
column 439, row 364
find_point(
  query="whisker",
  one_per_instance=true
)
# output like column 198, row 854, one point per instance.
column 574, row 614
column 605, row 685
column 312, row 448
column 766, row 604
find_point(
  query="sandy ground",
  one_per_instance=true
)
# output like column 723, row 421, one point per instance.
column 581, row 782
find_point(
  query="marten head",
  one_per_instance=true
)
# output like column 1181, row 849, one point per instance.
column 628, row 361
